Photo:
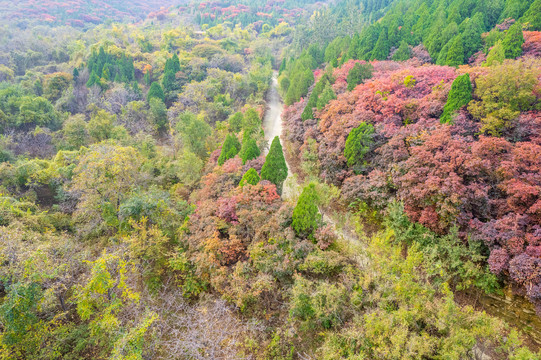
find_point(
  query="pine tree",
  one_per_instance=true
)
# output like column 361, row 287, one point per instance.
column 459, row 96
column 532, row 17
column 358, row 144
column 305, row 215
column 513, row 40
column 359, row 74
column 326, row 96
column 155, row 91
column 230, row 149
column 235, row 122
column 275, row 167
column 250, row 177
column 75, row 74
column 382, row 48
column 93, row 80
column 117, row 78
column 282, row 66
column 106, row 73
column 471, row 36
column 496, row 54
column 146, row 78
column 314, row 96
column 251, row 122
column 455, row 56
column 249, row 150
column 403, row 52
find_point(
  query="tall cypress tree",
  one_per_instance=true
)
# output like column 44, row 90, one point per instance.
column 250, row 177
column 230, row 149
column 513, row 40
column 305, row 215
column 275, row 167
column 533, row 16
column 382, row 48
column 459, row 96
column 403, row 52
column 455, row 56
column 155, row 91
column 496, row 54
column 249, row 150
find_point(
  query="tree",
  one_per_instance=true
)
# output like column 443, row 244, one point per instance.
column 471, row 36
column 359, row 74
column 100, row 126
column 305, row 215
column 403, row 52
column 155, row 91
column 235, row 122
column 381, row 50
column 104, row 176
column 326, row 96
column 459, row 96
column 513, row 40
column 275, row 167
column 250, row 177
column 93, row 80
column 532, row 17
column 75, row 132
column 194, row 131
column 230, row 149
column 496, row 54
column 455, row 55
column 159, row 113
column 249, row 150
column 358, row 144
column 251, row 122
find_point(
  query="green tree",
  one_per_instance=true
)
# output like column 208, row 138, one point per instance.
column 93, row 80
column 75, row 74
column 326, row 96
column 249, row 150
column 459, row 96
column 251, row 123
column 158, row 112
column 250, row 177
column 471, row 36
column 382, row 48
column 359, row 74
column 275, row 166
column 496, row 54
column 235, row 122
column 230, row 149
column 455, row 55
column 513, row 40
column 155, row 91
column 101, row 124
column 305, row 217
column 403, row 52
column 194, row 131
column 532, row 17
column 358, row 144
column 75, row 132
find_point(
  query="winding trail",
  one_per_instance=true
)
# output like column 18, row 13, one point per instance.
column 272, row 125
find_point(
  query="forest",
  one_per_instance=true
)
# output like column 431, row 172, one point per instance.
column 270, row 179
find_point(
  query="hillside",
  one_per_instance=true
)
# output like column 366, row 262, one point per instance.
column 274, row 179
